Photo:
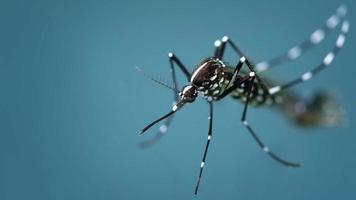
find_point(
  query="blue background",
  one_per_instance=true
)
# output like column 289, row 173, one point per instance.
column 72, row 102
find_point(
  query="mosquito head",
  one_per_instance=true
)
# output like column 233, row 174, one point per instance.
column 188, row 93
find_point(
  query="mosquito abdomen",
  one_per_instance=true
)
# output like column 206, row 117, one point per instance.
column 321, row 110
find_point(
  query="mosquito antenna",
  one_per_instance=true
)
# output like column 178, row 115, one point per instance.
column 155, row 80
column 174, row 109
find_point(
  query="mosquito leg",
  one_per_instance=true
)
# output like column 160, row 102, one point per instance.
column 161, row 131
column 326, row 62
column 206, row 147
column 220, row 48
column 233, row 87
column 314, row 39
column 255, row 137
column 173, row 60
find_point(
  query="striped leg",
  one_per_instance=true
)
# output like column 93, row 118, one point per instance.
column 164, row 127
column 326, row 62
column 206, row 147
column 315, row 38
column 219, row 52
column 220, row 48
column 255, row 137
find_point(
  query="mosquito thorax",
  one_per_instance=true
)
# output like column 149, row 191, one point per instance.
column 188, row 93
column 208, row 76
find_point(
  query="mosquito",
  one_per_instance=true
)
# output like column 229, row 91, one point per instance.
column 214, row 79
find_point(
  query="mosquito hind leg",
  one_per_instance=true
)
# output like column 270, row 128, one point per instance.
column 328, row 59
column 302, row 48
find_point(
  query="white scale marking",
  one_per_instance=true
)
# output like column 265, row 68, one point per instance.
column 202, row 164
column 214, row 86
column 294, row 52
column 317, row 36
column 217, row 43
column 342, row 10
column 213, row 77
column 175, row 107
column 345, row 27
column 209, row 137
column 274, row 89
column 225, row 39
column 307, row 76
column 329, row 58
column 266, row 149
column 221, row 80
column 340, row 40
column 332, row 22
column 243, row 59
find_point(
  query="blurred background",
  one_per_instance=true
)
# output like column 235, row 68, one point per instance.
column 72, row 103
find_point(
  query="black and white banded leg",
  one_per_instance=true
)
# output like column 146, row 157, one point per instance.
column 265, row 148
column 220, row 46
column 164, row 127
column 219, row 53
column 326, row 61
column 210, row 118
column 315, row 38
